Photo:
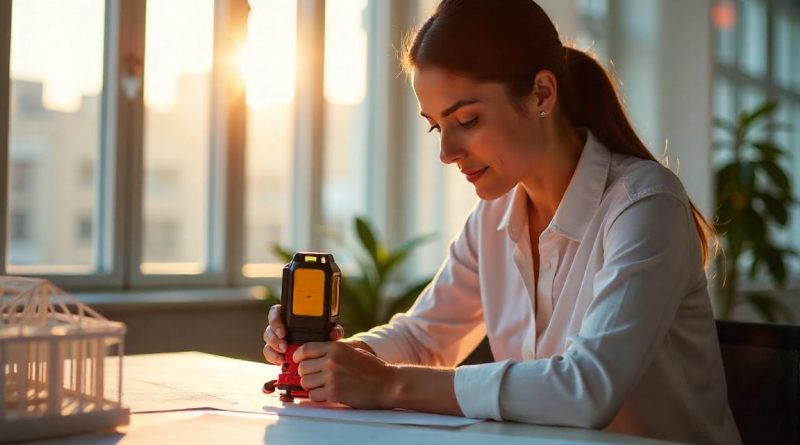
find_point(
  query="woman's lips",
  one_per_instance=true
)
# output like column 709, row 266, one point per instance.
column 475, row 175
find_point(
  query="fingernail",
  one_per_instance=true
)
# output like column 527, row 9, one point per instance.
column 279, row 332
column 282, row 346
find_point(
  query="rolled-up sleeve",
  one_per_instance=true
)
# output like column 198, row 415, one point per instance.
column 446, row 323
column 648, row 249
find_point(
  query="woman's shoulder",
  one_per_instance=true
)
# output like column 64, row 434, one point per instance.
column 631, row 178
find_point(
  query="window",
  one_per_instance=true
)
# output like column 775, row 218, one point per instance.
column 22, row 176
column 85, row 172
column 20, row 226
column 442, row 197
column 85, row 229
column 179, row 44
column 344, row 192
column 268, row 65
column 189, row 171
column 55, row 113
column 594, row 32
column 757, row 58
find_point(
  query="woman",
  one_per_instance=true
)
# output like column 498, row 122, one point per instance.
column 582, row 263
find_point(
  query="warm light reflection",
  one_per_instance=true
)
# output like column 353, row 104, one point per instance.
column 188, row 268
column 723, row 14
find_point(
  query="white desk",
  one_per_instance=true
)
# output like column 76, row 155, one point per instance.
column 183, row 379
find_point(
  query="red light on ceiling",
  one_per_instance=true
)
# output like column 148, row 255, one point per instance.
column 723, row 14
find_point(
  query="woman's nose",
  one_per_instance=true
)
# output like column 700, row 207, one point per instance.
column 449, row 150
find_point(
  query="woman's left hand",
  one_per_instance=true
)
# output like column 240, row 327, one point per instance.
column 340, row 372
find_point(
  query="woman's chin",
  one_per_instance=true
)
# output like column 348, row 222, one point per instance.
column 489, row 193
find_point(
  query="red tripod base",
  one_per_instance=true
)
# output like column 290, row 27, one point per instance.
column 288, row 380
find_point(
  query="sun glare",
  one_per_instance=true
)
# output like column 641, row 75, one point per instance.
column 345, row 52
column 179, row 45
column 267, row 60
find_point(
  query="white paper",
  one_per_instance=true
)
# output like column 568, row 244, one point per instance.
column 177, row 381
column 243, row 429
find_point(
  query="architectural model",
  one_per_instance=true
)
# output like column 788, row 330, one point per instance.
column 53, row 351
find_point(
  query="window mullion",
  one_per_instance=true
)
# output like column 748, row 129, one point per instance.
column 108, row 249
column 5, row 92
column 130, row 128
column 229, row 122
column 388, row 130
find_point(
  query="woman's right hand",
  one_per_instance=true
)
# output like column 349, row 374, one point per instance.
column 275, row 334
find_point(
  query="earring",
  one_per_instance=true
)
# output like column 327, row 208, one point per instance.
column 543, row 113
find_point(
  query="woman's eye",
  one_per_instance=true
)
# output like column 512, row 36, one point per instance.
column 435, row 127
column 468, row 124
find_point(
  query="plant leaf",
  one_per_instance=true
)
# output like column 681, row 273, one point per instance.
column 725, row 124
column 763, row 110
column 768, row 149
column 775, row 208
column 776, row 265
column 776, row 173
column 367, row 237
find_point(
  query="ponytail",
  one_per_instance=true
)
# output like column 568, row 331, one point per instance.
column 590, row 99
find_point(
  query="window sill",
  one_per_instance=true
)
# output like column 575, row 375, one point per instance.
column 135, row 300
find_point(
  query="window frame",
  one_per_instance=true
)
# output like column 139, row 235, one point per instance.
column 118, row 223
column 771, row 88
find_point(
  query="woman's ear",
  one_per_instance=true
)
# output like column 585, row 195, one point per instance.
column 544, row 95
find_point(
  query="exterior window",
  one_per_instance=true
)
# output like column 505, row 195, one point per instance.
column 179, row 44
column 56, row 87
column 158, row 145
column 268, row 64
column 20, row 226
column 346, row 113
column 748, row 72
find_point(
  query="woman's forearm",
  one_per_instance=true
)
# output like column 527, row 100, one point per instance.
column 418, row 388
column 422, row 388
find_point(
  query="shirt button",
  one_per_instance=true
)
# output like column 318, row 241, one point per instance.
column 529, row 355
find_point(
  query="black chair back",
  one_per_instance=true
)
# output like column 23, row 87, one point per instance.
column 762, row 370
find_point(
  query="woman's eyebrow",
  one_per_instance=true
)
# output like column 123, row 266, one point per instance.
column 453, row 108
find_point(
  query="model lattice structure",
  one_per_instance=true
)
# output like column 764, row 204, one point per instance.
column 53, row 351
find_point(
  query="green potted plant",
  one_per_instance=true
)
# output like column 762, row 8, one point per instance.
column 754, row 196
column 366, row 300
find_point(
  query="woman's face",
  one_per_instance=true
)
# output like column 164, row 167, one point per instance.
column 481, row 131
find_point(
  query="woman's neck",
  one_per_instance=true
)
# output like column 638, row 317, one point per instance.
column 552, row 173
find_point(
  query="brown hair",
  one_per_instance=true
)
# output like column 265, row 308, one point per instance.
column 509, row 42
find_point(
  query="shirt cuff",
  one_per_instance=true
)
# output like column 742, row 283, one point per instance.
column 478, row 389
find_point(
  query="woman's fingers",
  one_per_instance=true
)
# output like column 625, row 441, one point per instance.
column 274, row 341
column 337, row 332
column 318, row 395
column 312, row 381
column 272, row 356
column 275, row 321
column 310, row 350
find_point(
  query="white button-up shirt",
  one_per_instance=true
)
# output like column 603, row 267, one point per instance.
column 624, row 338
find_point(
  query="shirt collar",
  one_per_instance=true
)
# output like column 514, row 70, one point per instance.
column 581, row 199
